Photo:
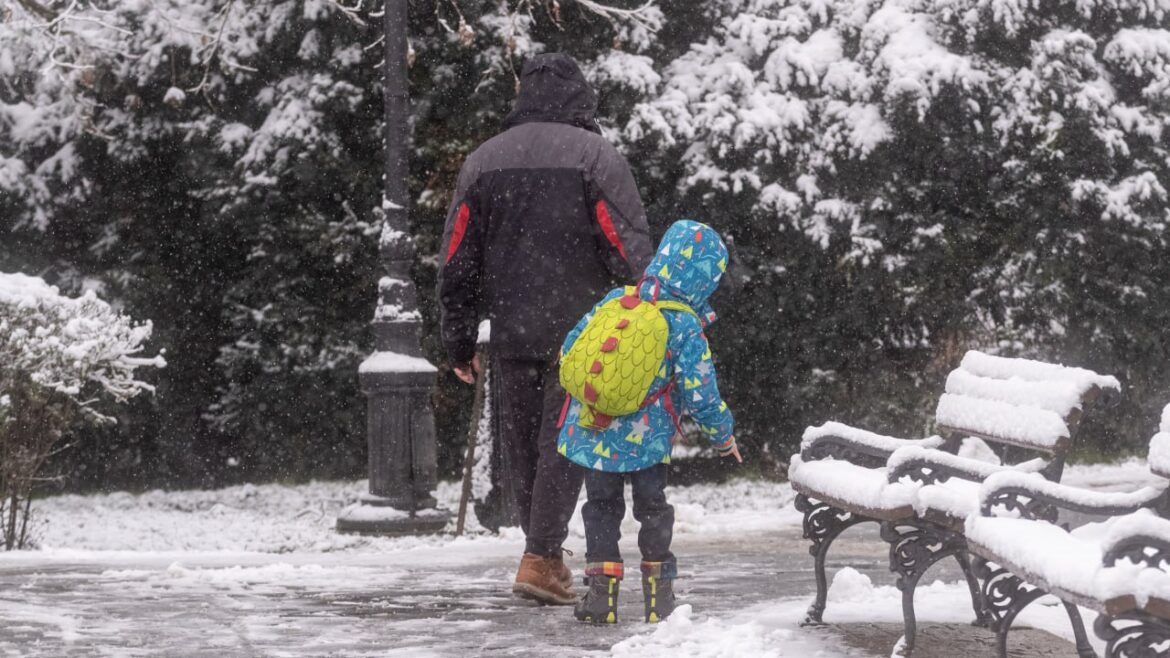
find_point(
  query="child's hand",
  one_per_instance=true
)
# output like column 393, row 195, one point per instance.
column 734, row 452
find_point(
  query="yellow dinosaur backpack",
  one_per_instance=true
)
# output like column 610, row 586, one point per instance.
column 613, row 362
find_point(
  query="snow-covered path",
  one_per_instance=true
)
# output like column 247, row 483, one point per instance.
column 248, row 572
column 356, row 604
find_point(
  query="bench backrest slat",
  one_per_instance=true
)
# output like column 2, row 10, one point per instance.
column 1017, row 402
column 1000, row 367
column 1001, row 422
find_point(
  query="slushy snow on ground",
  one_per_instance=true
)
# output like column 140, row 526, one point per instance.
column 259, row 570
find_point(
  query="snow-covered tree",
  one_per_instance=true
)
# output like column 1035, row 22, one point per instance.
column 216, row 165
column 904, row 180
column 59, row 358
column 909, row 178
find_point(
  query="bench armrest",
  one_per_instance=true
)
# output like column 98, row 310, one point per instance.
column 1141, row 538
column 928, row 466
column 1045, row 498
column 855, row 445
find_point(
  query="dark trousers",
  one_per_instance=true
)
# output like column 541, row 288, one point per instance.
column 546, row 484
column 606, row 508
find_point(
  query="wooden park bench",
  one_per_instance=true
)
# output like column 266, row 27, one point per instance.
column 921, row 491
column 1119, row 567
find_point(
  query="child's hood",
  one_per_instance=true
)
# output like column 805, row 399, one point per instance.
column 691, row 259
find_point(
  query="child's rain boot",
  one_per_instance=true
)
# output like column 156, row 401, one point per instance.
column 658, row 589
column 599, row 605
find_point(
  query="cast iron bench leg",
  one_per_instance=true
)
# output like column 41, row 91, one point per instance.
column 823, row 523
column 1084, row 649
column 983, row 618
column 1138, row 635
column 913, row 552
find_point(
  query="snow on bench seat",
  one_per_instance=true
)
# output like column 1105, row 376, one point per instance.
column 843, row 484
column 1071, row 565
column 1002, row 422
column 848, row 486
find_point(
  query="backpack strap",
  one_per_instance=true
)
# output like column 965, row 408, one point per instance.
column 664, row 395
column 678, row 306
column 667, row 304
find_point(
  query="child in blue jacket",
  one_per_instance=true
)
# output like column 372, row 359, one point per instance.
column 687, row 268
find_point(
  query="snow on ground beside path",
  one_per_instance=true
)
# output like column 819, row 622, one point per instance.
column 772, row 630
column 276, row 518
column 1127, row 475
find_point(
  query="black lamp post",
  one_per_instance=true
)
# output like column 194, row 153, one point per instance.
column 397, row 379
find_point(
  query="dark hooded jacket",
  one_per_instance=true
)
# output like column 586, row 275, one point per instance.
column 545, row 220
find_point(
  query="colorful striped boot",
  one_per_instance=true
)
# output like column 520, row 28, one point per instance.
column 658, row 589
column 599, row 606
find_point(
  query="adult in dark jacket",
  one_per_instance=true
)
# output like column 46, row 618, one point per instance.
column 546, row 219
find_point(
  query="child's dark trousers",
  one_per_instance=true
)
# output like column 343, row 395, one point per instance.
column 606, row 507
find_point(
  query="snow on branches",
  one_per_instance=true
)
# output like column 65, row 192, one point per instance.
column 801, row 106
column 78, row 348
column 58, row 356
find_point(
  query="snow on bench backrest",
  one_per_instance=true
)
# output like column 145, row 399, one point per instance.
column 999, row 367
column 1016, row 401
column 1061, row 397
column 1030, row 427
column 1159, row 457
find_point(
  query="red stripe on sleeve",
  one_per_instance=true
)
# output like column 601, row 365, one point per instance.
column 461, row 219
column 608, row 229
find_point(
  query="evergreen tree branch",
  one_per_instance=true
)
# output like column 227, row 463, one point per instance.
column 34, row 7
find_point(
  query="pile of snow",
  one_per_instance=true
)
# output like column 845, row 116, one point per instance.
column 772, row 630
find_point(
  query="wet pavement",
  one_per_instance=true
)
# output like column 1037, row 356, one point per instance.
column 346, row 605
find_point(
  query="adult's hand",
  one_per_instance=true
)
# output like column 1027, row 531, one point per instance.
column 466, row 374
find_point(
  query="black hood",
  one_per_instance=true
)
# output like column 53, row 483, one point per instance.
column 553, row 89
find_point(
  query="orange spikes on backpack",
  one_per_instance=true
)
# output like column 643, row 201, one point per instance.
column 623, row 323
column 590, row 393
column 610, row 344
column 596, row 368
column 630, row 301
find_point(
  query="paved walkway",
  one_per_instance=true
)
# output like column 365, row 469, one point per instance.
column 952, row 641
column 133, row 610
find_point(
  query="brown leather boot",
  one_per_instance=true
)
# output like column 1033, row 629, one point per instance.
column 539, row 578
column 564, row 574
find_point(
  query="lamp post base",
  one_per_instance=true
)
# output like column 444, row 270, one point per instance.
column 373, row 515
column 401, row 438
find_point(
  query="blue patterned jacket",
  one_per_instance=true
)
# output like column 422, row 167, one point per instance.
column 689, row 263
